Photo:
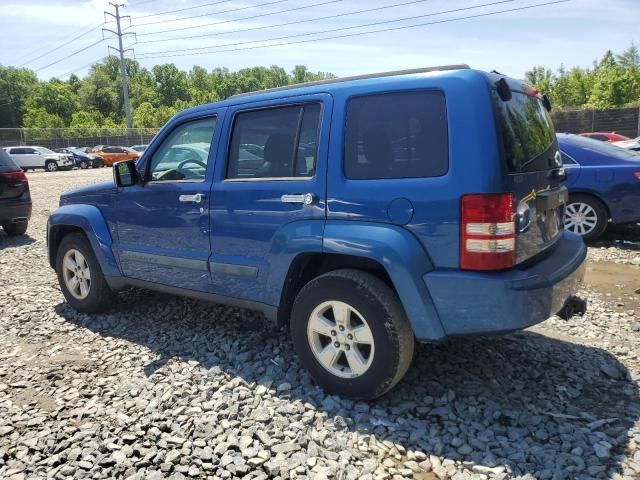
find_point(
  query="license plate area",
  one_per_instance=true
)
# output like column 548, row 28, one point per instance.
column 550, row 207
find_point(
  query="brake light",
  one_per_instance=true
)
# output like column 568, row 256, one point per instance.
column 637, row 175
column 487, row 232
column 19, row 176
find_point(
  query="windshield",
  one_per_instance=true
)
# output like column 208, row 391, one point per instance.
column 600, row 147
column 526, row 131
column 43, row 150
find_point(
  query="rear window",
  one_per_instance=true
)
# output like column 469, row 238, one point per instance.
column 5, row 160
column 527, row 133
column 396, row 135
column 600, row 147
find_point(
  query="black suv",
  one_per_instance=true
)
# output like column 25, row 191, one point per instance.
column 15, row 199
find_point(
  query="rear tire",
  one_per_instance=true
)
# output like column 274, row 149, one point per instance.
column 15, row 229
column 51, row 166
column 586, row 216
column 95, row 296
column 351, row 333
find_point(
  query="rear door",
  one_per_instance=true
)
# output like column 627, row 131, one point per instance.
column 270, row 188
column 535, row 171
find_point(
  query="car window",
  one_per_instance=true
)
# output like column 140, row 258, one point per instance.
column 602, row 138
column 599, row 147
column 43, row 150
column 184, row 154
column 29, row 151
column 396, row 135
column 279, row 142
column 5, row 160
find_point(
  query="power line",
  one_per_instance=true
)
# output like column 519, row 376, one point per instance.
column 272, row 2
column 87, row 32
column 297, row 35
column 72, row 54
column 83, row 67
column 240, row 19
column 296, row 22
column 185, row 9
column 480, row 15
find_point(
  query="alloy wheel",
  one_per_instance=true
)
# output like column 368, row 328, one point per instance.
column 340, row 339
column 76, row 274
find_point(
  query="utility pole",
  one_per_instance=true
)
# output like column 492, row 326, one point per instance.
column 121, row 50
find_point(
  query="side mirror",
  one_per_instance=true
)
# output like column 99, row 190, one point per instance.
column 125, row 173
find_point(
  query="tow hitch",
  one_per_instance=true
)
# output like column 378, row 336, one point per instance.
column 573, row 306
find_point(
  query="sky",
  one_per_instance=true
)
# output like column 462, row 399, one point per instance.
column 570, row 33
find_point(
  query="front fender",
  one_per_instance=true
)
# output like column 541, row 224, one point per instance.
column 404, row 259
column 90, row 220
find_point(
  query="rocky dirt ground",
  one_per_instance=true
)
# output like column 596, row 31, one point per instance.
column 166, row 387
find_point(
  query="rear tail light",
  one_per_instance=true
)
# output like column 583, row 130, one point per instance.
column 637, row 175
column 15, row 176
column 487, row 232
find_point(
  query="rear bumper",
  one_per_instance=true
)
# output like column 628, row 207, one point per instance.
column 470, row 303
column 14, row 212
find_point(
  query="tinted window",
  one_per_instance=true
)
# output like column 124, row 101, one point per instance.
column 17, row 151
column 184, row 154
column 277, row 142
column 527, row 133
column 602, row 138
column 396, row 135
column 5, row 160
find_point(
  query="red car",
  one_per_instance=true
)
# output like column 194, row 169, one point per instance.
column 605, row 137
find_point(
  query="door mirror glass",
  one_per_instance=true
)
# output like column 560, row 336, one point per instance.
column 125, row 173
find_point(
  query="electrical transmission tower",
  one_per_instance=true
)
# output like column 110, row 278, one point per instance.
column 121, row 50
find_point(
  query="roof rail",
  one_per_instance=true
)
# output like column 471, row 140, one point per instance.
column 357, row 77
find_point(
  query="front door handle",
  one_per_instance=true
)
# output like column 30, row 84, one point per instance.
column 195, row 198
column 304, row 198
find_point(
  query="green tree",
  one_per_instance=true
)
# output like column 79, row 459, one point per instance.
column 40, row 118
column 630, row 58
column 55, row 97
column 15, row 86
column 172, row 83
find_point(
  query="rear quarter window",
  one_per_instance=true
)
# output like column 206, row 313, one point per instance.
column 5, row 160
column 396, row 135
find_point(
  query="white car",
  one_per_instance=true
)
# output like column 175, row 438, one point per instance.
column 633, row 144
column 39, row 157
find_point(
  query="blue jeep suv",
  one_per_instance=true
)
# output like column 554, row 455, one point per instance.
column 365, row 213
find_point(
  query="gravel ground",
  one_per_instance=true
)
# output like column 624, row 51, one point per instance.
column 165, row 387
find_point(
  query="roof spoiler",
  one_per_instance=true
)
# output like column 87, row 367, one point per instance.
column 358, row 77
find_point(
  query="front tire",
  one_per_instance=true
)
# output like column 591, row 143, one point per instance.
column 84, row 164
column 80, row 277
column 586, row 216
column 51, row 166
column 15, row 229
column 351, row 333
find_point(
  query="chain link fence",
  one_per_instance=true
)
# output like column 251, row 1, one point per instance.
column 625, row 121
column 75, row 137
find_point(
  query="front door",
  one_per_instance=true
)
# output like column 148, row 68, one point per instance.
column 268, row 195
column 163, row 224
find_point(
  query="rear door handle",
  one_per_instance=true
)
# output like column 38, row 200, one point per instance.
column 195, row 198
column 304, row 198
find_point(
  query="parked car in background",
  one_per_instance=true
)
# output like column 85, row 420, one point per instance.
column 110, row 155
column 15, row 199
column 27, row 157
column 632, row 144
column 81, row 159
column 139, row 148
column 363, row 212
column 605, row 137
column 603, row 182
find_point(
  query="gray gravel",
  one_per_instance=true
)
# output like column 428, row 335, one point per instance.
column 165, row 387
